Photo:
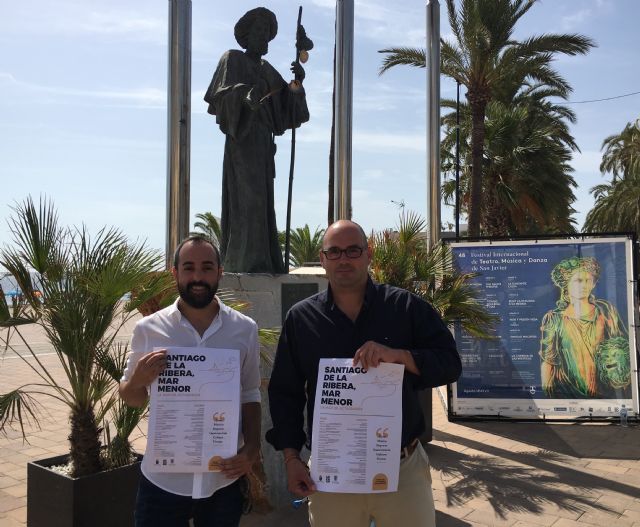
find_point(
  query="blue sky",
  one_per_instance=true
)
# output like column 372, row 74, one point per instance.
column 83, row 105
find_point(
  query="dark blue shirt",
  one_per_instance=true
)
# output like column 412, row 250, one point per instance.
column 316, row 328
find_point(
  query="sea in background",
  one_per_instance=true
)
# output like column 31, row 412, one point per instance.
column 7, row 283
column 10, row 287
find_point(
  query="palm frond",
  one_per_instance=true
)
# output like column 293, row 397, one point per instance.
column 268, row 338
column 303, row 245
column 18, row 406
column 209, row 226
column 118, row 450
column 154, row 291
column 617, row 206
column 402, row 56
column 410, row 227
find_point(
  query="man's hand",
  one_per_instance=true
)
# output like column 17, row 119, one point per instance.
column 240, row 464
column 299, row 481
column 148, row 368
column 371, row 354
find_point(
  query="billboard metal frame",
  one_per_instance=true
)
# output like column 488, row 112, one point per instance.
column 632, row 315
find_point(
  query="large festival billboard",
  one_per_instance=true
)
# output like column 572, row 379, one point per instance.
column 564, row 344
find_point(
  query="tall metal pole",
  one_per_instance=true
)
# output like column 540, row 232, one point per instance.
column 178, row 124
column 343, row 109
column 458, row 160
column 433, row 163
column 433, row 119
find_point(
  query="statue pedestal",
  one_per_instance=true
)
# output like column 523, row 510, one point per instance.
column 269, row 298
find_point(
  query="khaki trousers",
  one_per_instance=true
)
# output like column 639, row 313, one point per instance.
column 411, row 505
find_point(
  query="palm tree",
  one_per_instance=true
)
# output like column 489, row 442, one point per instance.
column 617, row 206
column 305, row 247
column 527, row 177
column 490, row 63
column 81, row 283
column 402, row 258
column 622, row 152
column 208, row 225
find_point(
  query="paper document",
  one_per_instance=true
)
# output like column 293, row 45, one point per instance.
column 357, row 427
column 194, row 411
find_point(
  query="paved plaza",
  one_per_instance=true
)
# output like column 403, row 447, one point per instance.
column 484, row 473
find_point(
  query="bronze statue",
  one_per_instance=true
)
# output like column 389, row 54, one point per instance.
column 252, row 104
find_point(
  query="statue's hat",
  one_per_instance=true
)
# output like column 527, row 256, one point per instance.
column 243, row 26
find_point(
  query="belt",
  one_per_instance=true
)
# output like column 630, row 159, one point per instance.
column 409, row 449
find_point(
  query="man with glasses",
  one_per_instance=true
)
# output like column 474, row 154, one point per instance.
column 371, row 323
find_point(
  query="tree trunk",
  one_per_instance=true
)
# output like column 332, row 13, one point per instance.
column 478, row 105
column 494, row 215
column 85, row 442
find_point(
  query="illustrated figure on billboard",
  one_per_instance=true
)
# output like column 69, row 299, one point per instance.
column 584, row 346
column 252, row 104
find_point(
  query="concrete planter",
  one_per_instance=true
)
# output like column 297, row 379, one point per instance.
column 105, row 499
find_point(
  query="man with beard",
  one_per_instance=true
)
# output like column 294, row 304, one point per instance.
column 197, row 319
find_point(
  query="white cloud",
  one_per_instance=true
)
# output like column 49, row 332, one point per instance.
column 387, row 97
column 122, row 23
column 7, row 78
column 95, row 143
column 312, row 132
column 80, row 18
column 328, row 4
column 366, row 141
column 384, row 22
column 139, row 97
column 372, row 174
column 392, row 142
column 575, row 20
column 579, row 18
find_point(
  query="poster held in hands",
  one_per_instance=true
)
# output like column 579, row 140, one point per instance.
column 194, row 411
column 357, row 427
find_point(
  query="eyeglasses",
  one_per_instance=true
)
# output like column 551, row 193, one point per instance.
column 335, row 253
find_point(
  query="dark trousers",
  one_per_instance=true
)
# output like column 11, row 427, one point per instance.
column 158, row 508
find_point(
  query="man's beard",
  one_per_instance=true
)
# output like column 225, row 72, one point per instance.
column 198, row 301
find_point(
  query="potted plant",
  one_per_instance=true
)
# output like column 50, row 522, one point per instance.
column 73, row 286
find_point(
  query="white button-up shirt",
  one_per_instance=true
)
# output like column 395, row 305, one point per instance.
column 229, row 330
